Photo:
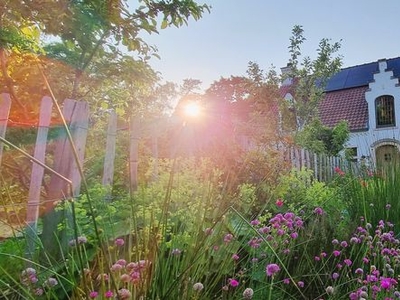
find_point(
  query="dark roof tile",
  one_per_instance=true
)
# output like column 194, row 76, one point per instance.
column 349, row 105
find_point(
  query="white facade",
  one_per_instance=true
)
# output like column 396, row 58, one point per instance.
column 378, row 142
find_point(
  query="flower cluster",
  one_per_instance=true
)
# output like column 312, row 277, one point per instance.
column 30, row 279
column 127, row 276
column 374, row 273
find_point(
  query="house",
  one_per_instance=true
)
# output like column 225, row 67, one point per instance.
column 368, row 97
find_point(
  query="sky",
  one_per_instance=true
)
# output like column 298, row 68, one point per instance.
column 238, row 31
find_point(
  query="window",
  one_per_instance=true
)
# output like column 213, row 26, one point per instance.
column 352, row 154
column 385, row 111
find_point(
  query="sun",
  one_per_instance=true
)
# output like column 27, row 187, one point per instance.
column 192, row 109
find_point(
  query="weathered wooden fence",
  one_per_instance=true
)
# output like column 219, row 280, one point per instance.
column 67, row 155
column 322, row 165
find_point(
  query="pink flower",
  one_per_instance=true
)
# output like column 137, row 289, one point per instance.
column 385, row 283
column 255, row 222
column 336, row 253
column 286, row 281
column 109, row 294
column 235, row 256
column 279, row 202
column 319, row 211
column 124, row 294
column 233, row 282
column 348, row 262
column 93, row 294
column 300, row 284
column 119, row 242
column 228, row 238
column 339, row 171
column 272, row 269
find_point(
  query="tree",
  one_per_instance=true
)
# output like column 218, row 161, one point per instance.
column 309, row 77
column 322, row 139
column 85, row 31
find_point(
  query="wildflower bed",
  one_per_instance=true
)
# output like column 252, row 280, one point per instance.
column 298, row 246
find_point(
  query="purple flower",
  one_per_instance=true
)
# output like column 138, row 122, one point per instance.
column 319, row 211
column 385, row 283
column 336, row 253
column 93, row 294
column 50, row 282
column 109, row 294
column 235, row 256
column 286, row 281
column 272, row 269
column 335, row 275
column 233, row 282
column 255, row 222
column 300, row 284
column 119, row 242
column 294, row 235
column 116, row 267
column 348, row 262
column 254, row 243
column 359, row 271
column 38, row 292
column 124, row 294
column 121, row 262
column 228, row 238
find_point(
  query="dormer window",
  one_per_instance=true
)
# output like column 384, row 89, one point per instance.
column 385, row 111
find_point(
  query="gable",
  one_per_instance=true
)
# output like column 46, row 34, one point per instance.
column 360, row 75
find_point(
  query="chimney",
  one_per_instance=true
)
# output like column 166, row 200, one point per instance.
column 286, row 74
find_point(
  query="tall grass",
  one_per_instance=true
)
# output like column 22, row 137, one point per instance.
column 184, row 237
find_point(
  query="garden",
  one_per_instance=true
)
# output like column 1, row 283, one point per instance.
column 115, row 193
column 188, row 236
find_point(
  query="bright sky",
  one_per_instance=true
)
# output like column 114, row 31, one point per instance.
column 238, row 31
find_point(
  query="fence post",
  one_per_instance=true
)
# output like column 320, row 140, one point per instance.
column 79, row 129
column 52, row 239
column 108, row 172
column 133, row 152
column 32, row 213
column 5, row 105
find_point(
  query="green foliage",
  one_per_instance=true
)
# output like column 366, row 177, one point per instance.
column 322, row 139
column 373, row 196
column 310, row 76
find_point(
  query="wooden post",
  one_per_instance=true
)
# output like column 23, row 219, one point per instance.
column 154, row 150
column 133, row 152
column 79, row 129
column 37, row 176
column 58, row 190
column 5, row 105
column 108, row 173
